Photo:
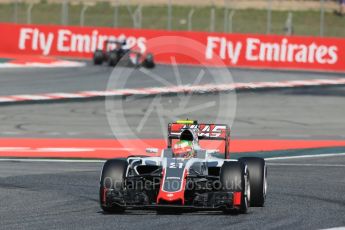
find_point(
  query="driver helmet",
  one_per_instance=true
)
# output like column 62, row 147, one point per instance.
column 184, row 149
column 122, row 40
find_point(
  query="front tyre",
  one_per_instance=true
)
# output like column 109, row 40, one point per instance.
column 234, row 177
column 149, row 61
column 112, row 179
column 258, row 179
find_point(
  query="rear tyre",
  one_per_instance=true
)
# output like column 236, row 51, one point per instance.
column 98, row 57
column 149, row 62
column 258, row 180
column 113, row 59
column 112, row 177
column 234, row 177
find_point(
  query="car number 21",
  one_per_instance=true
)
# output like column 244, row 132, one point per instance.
column 174, row 165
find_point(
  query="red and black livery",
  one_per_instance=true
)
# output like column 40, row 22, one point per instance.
column 115, row 52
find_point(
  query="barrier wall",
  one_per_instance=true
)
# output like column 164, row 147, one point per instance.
column 235, row 50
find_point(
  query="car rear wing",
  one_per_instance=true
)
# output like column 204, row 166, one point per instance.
column 111, row 44
column 220, row 132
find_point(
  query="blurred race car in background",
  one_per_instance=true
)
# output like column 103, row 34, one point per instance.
column 185, row 177
column 115, row 52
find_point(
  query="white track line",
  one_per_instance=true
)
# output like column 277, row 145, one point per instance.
column 305, row 156
column 50, row 160
column 59, row 149
column 267, row 159
column 306, row 165
column 53, row 64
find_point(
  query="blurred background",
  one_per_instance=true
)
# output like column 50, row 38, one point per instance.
column 298, row 17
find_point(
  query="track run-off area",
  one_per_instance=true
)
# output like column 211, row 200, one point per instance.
column 300, row 131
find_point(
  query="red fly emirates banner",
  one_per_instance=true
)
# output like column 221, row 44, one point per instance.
column 234, row 50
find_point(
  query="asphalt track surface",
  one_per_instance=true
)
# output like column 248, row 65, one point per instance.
column 49, row 80
column 315, row 113
column 41, row 195
column 279, row 114
column 305, row 193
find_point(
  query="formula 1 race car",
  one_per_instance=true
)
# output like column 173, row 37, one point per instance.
column 116, row 52
column 185, row 177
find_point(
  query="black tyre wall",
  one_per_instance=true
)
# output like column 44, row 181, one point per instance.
column 258, row 177
column 112, row 177
column 232, row 178
column 113, row 58
column 149, row 61
column 98, row 57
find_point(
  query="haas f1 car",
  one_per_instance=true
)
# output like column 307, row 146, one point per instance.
column 185, row 177
column 115, row 52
